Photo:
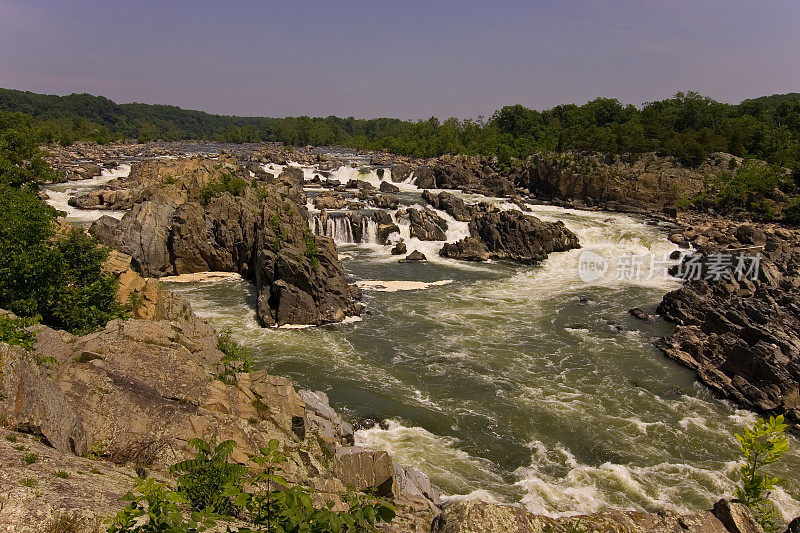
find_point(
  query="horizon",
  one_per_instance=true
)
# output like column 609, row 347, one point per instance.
column 378, row 59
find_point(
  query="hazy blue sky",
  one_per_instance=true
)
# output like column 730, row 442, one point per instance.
column 408, row 59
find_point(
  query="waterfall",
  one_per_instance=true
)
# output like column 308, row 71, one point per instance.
column 369, row 231
column 339, row 229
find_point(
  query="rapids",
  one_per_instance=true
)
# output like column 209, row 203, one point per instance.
column 509, row 382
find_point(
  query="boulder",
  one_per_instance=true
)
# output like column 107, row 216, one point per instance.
column 450, row 204
column 386, row 201
column 329, row 200
column 467, row 249
column 426, row 225
column 414, row 257
column 400, row 172
column 736, row 517
column 520, row 237
column 399, row 248
column 636, row 312
column 388, row 187
column 386, row 230
column 747, row 234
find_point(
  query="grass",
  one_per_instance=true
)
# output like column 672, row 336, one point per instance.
column 12, row 437
column 61, row 474
column 28, row 482
column 30, row 458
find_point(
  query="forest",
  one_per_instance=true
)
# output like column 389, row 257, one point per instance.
column 688, row 126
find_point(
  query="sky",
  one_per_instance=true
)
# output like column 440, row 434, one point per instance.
column 406, row 59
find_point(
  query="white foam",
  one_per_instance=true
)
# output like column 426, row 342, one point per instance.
column 60, row 193
column 399, row 285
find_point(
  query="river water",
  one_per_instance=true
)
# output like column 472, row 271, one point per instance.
column 514, row 383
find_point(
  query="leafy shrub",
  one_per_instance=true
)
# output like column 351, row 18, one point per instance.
column 311, row 251
column 28, row 482
column 751, row 188
column 236, row 358
column 791, row 215
column 12, row 331
column 236, row 185
column 59, row 279
column 204, row 478
column 30, row 458
column 761, row 445
column 269, row 502
column 155, row 508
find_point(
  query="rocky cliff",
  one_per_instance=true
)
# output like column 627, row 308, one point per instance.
column 134, row 394
column 173, row 227
column 742, row 336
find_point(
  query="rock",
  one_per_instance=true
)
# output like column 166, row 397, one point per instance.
column 263, row 237
column 638, row 313
column 386, row 201
column 400, row 172
column 467, row 249
column 413, row 257
column 385, row 231
column 323, row 420
column 450, row 204
column 669, row 210
column 794, row 526
column 736, row 517
column 520, row 237
column 426, row 225
column 747, row 234
column 330, row 201
column 675, row 254
column 388, row 187
column 424, row 177
column 482, row 517
column 399, row 248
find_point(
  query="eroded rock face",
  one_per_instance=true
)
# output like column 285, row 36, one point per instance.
column 742, row 336
column 512, row 235
column 426, row 225
column 450, row 204
column 481, row 517
column 262, row 234
column 137, row 391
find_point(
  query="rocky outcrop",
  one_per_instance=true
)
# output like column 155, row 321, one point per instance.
column 740, row 333
column 511, row 235
column 137, row 391
column 261, row 234
column 425, row 224
column 482, row 517
column 450, row 204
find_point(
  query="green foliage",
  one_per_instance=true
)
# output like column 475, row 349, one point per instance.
column 61, row 474
column 687, row 126
column 155, row 508
column 12, row 331
column 30, row 458
column 204, row 478
column 209, row 482
column 56, row 278
column 236, row 185
column 311, row 251
column 28, row 482
column 761, row 445
column 791, row 214
column 236, row 358
column 21, row 161
column 752, row 188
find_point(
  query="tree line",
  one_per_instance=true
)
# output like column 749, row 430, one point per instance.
column 688, row 126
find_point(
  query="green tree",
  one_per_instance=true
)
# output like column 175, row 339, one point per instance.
column 761, row 445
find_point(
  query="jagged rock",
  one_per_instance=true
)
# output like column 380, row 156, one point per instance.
column 386, row 230
column 424, row 177
column 741, row 336
column 414, row 256
column 520, row 237
column 467, row 249
column 747, row 234
column 400, row 172
column 388, row 187
column 736, row 517
column 450, row 204
column 481, row 517
column 399, row 248
column 638, row 313
column 263, row 237
column 794, row 526
column 386, row 201
column 426, row 225
column 323, row 420
column 330, row 201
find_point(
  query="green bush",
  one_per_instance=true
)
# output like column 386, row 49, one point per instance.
column 204, row 478
column 12, row 331
column 791, row 215
column 268, row 502
column 236, row 358
column 57, row 278
column 761, row 445
column 236, row 185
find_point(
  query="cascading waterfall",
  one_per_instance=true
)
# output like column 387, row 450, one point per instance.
column 369, row 231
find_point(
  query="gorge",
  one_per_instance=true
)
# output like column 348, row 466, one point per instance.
column 501, row 381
